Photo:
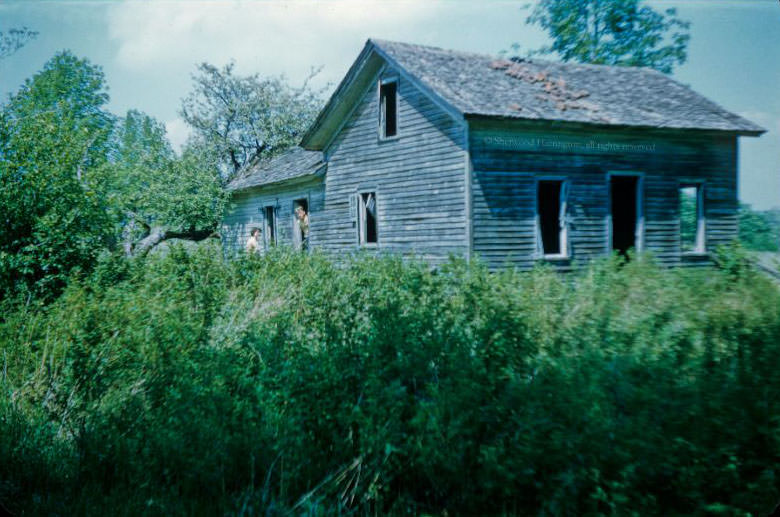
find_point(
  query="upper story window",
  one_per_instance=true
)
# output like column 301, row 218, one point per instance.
column 388, row 108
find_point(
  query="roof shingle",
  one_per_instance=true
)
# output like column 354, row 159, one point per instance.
column 476, row 84
column 294, row 163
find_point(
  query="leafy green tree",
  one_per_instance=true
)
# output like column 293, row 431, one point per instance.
column 238, row 119
column 53, row 132
column 758, row 231
column 614, row 32
column 76, row 181
column 155, row 194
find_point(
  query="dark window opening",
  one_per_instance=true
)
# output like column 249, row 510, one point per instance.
column 623, row 198
column 388, row 119
column 270, row 225
column 367, row 215
column 549, row 210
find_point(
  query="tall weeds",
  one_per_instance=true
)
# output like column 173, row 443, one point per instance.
column 192, row 384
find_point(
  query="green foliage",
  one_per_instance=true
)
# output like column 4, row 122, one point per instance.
column 150, row 186
column 53, row 131
column 759, row 231
column 188, row 383
column 614, row 32
column 238, row 119
column 76, row 180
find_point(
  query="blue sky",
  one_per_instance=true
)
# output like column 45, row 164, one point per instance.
column 149, row 50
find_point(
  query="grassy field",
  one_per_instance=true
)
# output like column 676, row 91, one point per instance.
column 191, row 384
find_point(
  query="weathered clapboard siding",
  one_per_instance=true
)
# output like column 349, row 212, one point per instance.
column 508, row 158
column 246, row 212
column 419, row 178
column 476, row 135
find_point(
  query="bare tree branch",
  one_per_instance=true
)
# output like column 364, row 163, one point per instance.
column 15, row 39
column 159, row 234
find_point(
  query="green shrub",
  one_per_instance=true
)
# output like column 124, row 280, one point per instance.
column 192, row 384
column 759, row 230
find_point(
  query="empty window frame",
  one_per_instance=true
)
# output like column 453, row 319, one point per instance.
column 367, row 218
column 269, row 225
column 691, row 208
column 388, row 108
column 551, row 227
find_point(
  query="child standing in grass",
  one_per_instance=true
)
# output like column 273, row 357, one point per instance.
column 253, row 243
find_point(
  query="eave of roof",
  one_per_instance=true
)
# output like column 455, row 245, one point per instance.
column 538, row 123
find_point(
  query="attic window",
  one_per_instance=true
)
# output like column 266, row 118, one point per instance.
column 388, row 109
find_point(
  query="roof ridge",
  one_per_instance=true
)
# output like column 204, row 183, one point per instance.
column 465, row 53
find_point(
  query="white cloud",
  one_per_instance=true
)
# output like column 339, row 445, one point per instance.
column 178, row 132
column 267, row 37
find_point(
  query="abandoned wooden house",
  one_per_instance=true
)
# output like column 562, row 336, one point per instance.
column 434, row 152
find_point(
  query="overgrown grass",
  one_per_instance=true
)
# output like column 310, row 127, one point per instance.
column 190, row 384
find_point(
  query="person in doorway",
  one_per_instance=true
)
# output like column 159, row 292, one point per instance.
column 253, row 243
column 303, row 224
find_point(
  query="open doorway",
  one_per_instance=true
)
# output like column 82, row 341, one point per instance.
column 551, row 218
column 300, row 224
column 625, row 213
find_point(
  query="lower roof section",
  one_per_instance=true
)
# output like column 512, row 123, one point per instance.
column 293, row 164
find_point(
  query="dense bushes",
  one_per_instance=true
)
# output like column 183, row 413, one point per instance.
column 759, row 230
column 188, row 383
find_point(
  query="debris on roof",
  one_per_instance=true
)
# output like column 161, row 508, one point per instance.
column 556, row 89
column 482, row 85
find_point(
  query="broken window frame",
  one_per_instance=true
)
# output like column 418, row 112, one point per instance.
column 563, row 219
column 269, row 226
column 639, row 232
column 700, row 246
column 359, row 203
column 382, row 102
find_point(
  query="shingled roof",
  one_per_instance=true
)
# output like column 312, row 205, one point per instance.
column 295, row 163
column 482, row 85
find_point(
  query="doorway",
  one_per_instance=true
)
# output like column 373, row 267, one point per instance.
column 625, row 212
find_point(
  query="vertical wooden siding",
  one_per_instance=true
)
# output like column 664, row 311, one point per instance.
column 504, row 176
column 246, row 212
column 419, row 178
